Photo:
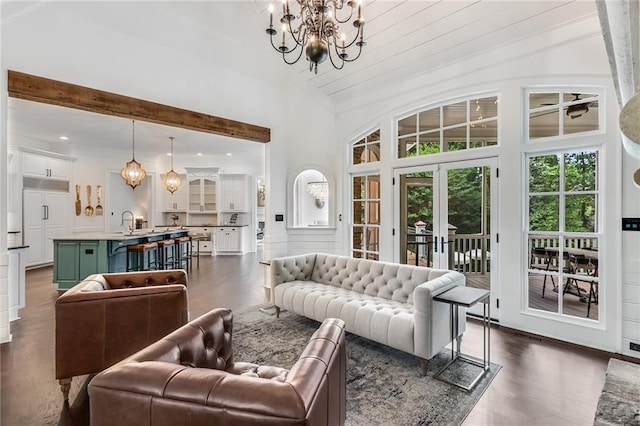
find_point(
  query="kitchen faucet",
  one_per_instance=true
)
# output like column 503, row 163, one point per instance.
column 130, row 227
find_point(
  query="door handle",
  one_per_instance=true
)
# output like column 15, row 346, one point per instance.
column 442, row 243
column 435, row 244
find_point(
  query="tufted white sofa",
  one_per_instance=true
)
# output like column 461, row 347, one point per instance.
column 389, row 303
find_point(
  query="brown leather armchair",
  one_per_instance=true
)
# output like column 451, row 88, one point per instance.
column 190, row 377
column 107, row 317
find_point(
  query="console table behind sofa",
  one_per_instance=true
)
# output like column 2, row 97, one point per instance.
column 389, row 303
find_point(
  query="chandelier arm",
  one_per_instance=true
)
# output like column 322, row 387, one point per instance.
column 335, row 13
column 296, row 60
column 287, row 51
column 333, row 63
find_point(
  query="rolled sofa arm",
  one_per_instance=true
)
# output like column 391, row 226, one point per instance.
column 432, row 321
column 166, row 393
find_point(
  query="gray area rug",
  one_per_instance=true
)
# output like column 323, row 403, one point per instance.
column 619, row 402
column 384, row 386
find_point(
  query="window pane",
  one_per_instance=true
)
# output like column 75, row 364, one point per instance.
column 543, row 124
column 407, row 147
column 373, row 152
column 407, row 126
column 544, row 174
column 483, row 134
column 372, row 256
column 357, row 254
column 374, row 136
column 429, row 143
column 483, row 108
column 429, row 120
column 358, row 187
column 544, row 212
column 358, row 242
column 582, row 117
column 358, row 212
column 373, row 212
column 455, row 139
column 454, row 113
column 373, row 187
column 570, row 97
column 372, row 239
column 358, row 152
column 537, row 100
column 580, row 171
column 580, row 213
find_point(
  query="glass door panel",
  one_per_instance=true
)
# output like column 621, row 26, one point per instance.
column 445, row 219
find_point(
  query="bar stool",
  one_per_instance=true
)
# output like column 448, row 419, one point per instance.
column 195, row 253
column 139, row 251
column 166, row 254
column 182, row 252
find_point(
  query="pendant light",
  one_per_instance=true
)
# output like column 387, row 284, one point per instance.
column 132, row 172
column 171, row 179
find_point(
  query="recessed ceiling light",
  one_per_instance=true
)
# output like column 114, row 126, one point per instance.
column 199, row 154
column 64, row 138
column 229, row 154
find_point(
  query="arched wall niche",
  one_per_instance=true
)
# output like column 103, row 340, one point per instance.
column 311, row 198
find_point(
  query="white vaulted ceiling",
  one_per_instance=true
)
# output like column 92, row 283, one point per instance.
column 405, row 40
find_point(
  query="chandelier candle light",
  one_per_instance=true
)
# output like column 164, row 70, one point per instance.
column 132, row 172
column 314, row 30
column 171, row 179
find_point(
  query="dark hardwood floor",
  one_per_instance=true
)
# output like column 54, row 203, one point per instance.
column 542, row 382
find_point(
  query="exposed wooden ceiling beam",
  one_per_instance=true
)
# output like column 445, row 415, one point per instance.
column 48, row 91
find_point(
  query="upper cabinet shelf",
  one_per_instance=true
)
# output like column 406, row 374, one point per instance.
column 202, row 195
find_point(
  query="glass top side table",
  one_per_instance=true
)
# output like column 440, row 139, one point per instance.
column 467, row 297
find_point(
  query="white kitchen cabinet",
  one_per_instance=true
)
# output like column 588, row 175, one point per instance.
column 234, row 190
column 202, row 195
column 42, row 166
column 46, row 215
column 228, row 240
column 178, row 200
column 205, row 235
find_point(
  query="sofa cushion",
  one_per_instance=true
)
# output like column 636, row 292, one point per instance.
column 385, row 321
column 374, row 278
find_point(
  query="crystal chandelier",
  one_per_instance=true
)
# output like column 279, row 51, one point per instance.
column 319, row 189
column 132, row 172
column 171, row 179
column 314, row 30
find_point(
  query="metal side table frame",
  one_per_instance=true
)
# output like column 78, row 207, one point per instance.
column 467, row 297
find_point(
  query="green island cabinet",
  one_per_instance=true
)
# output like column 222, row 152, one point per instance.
column 77, row 257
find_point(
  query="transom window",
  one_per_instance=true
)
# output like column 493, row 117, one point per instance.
column 367, row 149
column 558, row 113
column 467, row 124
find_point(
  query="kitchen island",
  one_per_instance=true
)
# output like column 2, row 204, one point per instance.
column 77, row 256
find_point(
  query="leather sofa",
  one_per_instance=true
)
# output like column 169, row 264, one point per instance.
column 388, row 303
column 190, row 378
column 105, row 318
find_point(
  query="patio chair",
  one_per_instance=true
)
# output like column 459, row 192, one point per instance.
column 587, row 271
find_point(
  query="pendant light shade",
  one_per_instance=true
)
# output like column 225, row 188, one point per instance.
column 132, row 172
column 171, row 179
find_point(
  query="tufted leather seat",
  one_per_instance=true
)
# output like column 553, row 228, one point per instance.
column 107, row 317
column 385, row 302
column 190, row 377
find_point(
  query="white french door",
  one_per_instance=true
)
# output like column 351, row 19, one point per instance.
column 446, row 218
